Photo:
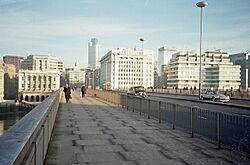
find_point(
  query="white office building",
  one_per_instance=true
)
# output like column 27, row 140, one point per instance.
column 1, row 80
column 93, row 53
column 218, row 73
column 42, row 62
column 36, row 85
column 124, row 68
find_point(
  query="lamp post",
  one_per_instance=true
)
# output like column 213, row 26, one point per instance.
column 200, row 5
column 106, row 74
column 142, row 40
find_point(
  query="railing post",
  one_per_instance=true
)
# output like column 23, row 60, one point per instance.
column 140, row 105
column 218, row 130
column 148, row 108
column 192, row 122
column 133, row 105
column 159, row 112
column 127, row 102
column 174, row 109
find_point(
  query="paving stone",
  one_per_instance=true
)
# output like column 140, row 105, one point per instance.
column 98, row 158
column 92, row 142
column 140, row 147
column 103, row 149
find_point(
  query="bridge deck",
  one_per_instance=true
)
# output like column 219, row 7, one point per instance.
column 89, row 131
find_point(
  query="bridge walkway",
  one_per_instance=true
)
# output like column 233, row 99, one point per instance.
column 90, row 131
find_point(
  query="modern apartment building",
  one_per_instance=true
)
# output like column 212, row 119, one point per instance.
column 242, row 59
column 218, row 73
column 36, row 85
column 42, row 62
column 10, row 82
column 1, row 81
column 123, row 68
column 93, row 53
column 15, row 60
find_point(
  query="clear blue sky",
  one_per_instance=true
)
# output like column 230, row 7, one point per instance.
column 63, row 28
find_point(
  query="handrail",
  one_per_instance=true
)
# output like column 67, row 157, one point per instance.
column 27, row 141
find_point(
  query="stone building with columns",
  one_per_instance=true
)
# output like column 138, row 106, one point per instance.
column 36, row 85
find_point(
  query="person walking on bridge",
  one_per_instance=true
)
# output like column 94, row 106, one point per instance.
column 83, row 90
column 67, row 92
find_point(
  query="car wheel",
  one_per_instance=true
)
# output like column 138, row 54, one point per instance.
column 202, row 98
column 213, row 99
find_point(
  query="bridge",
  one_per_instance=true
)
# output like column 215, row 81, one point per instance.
column 110, row 128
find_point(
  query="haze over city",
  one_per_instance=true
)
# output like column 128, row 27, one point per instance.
column 63, row 28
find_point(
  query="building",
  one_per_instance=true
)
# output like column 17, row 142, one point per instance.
column 10, row 82
column 123, row 68
column 164, row 56
column 218, row 73
column 93, row 53
column 92, row 78
column 243, row 60
column 75, row 77
column 1, row 81
column 163, row 80
column 15, row 60
column 42, row 62
column 36, row 85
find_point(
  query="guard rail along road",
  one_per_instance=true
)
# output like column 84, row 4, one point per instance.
column 227, row 130
column 27, row 141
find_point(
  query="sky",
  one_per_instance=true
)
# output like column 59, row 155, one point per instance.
column 63, row 28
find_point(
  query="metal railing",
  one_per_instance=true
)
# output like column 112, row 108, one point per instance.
column 27, row 141
column 229, row 130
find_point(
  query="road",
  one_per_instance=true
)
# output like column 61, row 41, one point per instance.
column 241, row 107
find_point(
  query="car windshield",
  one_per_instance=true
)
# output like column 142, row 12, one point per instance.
column 139, row 89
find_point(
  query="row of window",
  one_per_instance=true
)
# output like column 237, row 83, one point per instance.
column 39, row 86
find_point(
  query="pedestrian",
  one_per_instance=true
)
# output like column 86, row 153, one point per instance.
column 67, row 92
column 83, row 90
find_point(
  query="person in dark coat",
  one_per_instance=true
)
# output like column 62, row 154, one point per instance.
column 67, row 92
column 83, row 90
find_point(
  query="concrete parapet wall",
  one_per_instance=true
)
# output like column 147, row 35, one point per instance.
column 27, row 141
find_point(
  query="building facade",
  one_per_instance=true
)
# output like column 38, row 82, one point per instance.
column 242, row 59
column 36, row 85
column 218, row 73
column 42, row 62
column 1, row 81
column 164, row 55
column 10, row 82
column 14, row 60
column 93, row 53
column 123, row 68
column 75, row 77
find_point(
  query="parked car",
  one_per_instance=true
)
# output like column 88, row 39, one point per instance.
column 137, row 91
column 214, row 97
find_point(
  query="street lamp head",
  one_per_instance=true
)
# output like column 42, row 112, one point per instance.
column 141, row 39
column 202, row 4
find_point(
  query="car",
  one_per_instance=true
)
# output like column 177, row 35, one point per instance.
column 214, row 97
column 137, row 91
